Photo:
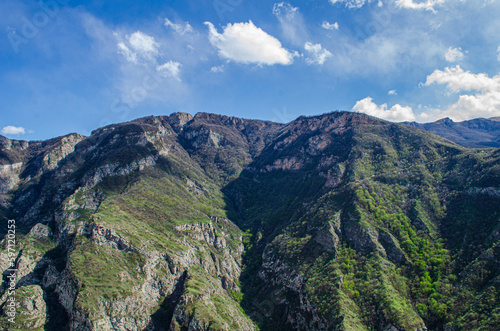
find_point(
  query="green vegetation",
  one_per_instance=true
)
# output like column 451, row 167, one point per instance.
column 29, row 311
column 346, row 222
column 104, row 273
column 394, row 261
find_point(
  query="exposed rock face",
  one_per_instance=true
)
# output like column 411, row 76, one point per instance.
column 9, row 176
column 211, row 222
column 40, row 231
column 328, row 238
column 116, row 169
column 285, row 291
column 55, row 155
column 30, row 308
column 392, row 249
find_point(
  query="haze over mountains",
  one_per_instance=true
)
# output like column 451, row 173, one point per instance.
column 476, row 133
column 207, row 222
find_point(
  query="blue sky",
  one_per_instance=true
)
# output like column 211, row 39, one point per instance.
column 73, row 66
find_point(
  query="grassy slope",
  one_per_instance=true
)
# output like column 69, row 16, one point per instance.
column 395, row 188
column 394, row 182
column 145, row 212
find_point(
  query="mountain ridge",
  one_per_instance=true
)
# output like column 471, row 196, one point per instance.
column 475, row 133
column 339, row 221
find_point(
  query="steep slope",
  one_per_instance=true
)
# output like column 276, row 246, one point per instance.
column 476, row 133
column 27, row 161
column 333, row 222
column 138, row 232
column 355, row 214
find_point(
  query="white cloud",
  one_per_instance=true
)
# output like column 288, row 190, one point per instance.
column 138, row 45
column 396, row 113
column 318, row 55
column 125, row 51
column 498, row 50
column 13, row 130
column 392, row 92
column 246, row 43
column 130, row 84
column 329, row 26
column 170, row 69
column 292, row 23
column 179, row 28
column 353, row 3
column 217, row 69
column 484, row 101
column 388, row 50
column 454, row 54
column 143, row 44
column 459, row 80
column 284, row 9
column 426, row 5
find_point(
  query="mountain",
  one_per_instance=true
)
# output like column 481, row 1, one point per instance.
column 476, row 133
column 208, row 222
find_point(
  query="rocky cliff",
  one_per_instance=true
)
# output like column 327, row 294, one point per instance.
column 208, row 222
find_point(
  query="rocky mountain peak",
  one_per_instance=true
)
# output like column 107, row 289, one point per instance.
column 445, row 121
column 178, row 120
column 210, row 222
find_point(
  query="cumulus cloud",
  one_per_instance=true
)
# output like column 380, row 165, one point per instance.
column 292, row 22
column 396, row 113
column 170, row 69
column 246, row 43
column 138, row 45
column 143, row 44
column 482, row 101
column 318, row 55
column 392, row 92
column 146, row 72
column 459, row 80
column 285, row 11
column 13, row 130
column 329, row 26
column 454, row 54
column 179, row 28
column 425, row 5
column 140, row 48
column 498, row 50
column 353, row 3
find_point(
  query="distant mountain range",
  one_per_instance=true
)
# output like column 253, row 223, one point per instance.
column 476, row 133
